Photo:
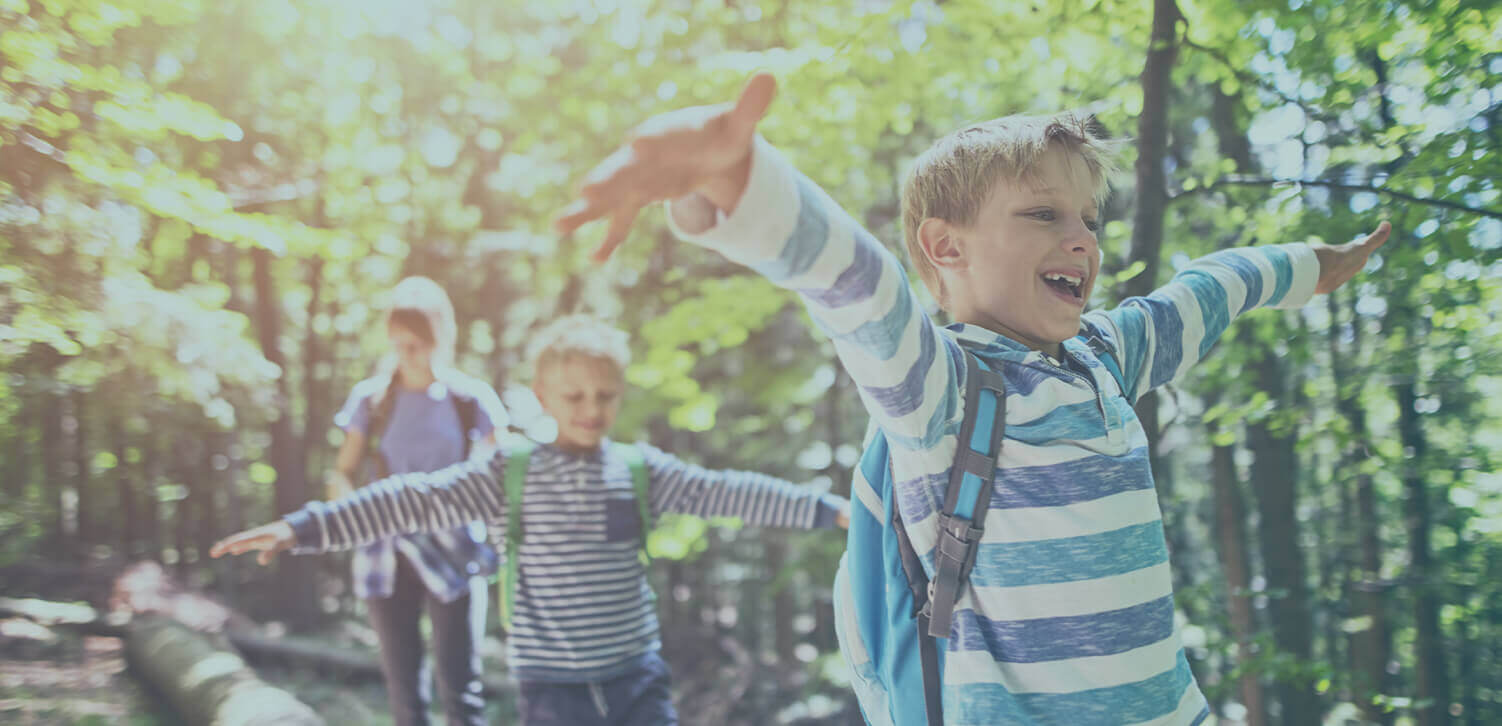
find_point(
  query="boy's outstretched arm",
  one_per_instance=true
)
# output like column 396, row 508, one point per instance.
column 403, row 504
column 707, row 161
column 1159, row 337
column 758, row 499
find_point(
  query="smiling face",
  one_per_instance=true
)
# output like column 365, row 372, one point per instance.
column 1027, row 264
column 583, row 394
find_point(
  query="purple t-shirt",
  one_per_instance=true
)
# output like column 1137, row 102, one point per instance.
column 423, row 434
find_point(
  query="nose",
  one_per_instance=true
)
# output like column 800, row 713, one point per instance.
column 1080, row 239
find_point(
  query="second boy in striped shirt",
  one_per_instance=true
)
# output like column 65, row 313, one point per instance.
column 584, row 634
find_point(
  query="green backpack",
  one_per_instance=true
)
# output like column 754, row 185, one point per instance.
column 518, row 458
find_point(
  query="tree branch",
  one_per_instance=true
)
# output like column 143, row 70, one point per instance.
column 1343, row 186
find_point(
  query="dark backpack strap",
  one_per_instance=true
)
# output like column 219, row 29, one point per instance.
column 928, row 649
column 968, row 496
column 1107, row 358
column 961, row 524
column 467, row 408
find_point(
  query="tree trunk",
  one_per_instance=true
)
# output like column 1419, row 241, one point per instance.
column 315, row 420
column 1147, row 223
column 205, row 681
column 185, row 471
column 1230, row 527
column 205, row 496
column 294, row 573
column 151, row 517
column 1370, row 645
column 1152, row 144
column 83, row 509
column 1433, row 696
column 59, row 540
column 18, row 471
column 1274, row 478
column 125, row 497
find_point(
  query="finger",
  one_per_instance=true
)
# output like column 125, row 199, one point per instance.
column 266, row 557
column 1379, row 237
column 754, row 101
column 576, row 215
column 232, row 545
column 620, row 227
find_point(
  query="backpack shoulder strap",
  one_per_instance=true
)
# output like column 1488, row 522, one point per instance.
column 467, row 407
column 518, row 458
column 968, row 496
column 961, row 523
column 1103, row 352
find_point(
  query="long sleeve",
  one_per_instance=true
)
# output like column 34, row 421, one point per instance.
column 405, row 504
column 1158, row 338
column 790, row 231
column 758, row 499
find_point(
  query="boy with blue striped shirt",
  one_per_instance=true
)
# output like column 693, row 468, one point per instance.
column 1067, row 616
column 583, row 638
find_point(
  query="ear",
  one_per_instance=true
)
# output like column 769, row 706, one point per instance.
column 942, row 243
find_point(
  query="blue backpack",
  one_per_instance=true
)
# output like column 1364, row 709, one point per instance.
column 894, row 622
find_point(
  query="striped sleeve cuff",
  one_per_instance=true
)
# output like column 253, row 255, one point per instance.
column 308, row 529
column 830, row 507
column 757, row 229
column 1305, row 275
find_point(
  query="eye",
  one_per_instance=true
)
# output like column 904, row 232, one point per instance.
column 1092, row 224
column 573, row 397
column 1045, row 214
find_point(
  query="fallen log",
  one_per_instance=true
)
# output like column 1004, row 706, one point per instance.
column 286, row 649
column 205, row 680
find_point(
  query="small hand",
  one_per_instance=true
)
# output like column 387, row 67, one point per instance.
column 268, row 539
column 337, row 486
column 842, row 518
column 1339, row 263
column 704, row 148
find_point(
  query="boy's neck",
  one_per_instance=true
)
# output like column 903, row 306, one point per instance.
column 983, row 321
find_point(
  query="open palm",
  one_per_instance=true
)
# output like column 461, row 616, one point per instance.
column 703, row 148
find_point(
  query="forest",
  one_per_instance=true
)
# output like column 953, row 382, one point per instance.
column 203, row 205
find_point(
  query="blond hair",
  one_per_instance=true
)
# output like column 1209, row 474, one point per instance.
column 583, row 335
column 956, row 175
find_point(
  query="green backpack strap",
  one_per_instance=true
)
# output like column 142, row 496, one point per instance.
column 639, row 484
column 518, row 458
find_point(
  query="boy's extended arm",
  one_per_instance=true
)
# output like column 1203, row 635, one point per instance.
column 1157, row 338
column 790, row 231
column 758, row 499
column 404, row 504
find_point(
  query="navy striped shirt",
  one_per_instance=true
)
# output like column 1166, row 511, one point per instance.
column 583, row 609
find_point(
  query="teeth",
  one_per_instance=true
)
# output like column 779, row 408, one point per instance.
column 1071, row 279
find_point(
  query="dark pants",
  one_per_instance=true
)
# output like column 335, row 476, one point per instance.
column 457, row 629
column 639, row 697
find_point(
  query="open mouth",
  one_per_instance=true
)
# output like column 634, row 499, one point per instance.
column 1066, row 285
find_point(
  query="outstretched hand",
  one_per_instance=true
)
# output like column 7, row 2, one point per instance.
column 1339, row 263
column 268, row 539
column 705, row 149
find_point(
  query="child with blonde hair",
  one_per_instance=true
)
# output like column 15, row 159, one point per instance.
column 1006, row 560
column 583, row 635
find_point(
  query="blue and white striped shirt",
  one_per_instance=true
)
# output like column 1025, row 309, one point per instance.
column 1068, row 616
column 583, row 611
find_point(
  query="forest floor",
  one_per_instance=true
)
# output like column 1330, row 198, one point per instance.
column 56, row 677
